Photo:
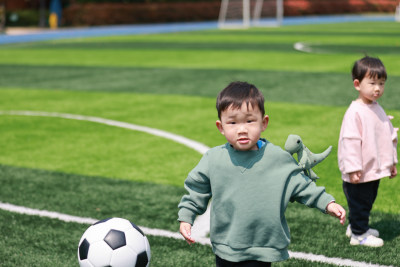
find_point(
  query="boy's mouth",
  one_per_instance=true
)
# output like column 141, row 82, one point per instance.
column 243, row 140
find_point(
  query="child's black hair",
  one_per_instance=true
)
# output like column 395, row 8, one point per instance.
column 373, row 67
column 238, row 92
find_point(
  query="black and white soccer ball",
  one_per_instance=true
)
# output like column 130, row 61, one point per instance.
column 114, row 242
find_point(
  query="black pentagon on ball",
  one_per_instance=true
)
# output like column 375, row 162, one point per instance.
column 115, row 239
column 84, row 249
column 142, row 260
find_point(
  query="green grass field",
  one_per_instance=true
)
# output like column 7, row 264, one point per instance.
column 169, row 82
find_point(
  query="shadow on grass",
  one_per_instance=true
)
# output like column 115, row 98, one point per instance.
column 388, row 225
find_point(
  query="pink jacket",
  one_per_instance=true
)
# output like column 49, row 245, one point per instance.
column 367, row 142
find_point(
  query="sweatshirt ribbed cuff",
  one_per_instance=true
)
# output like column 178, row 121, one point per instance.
column 186, row 215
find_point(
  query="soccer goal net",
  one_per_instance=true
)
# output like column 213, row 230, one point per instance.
column 236, row 14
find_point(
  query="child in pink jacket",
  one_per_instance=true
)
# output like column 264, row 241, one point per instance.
column 367, row 149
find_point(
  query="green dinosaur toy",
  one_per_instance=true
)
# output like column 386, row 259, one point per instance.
column 306, row 159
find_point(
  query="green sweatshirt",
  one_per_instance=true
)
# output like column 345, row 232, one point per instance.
column 250, row 191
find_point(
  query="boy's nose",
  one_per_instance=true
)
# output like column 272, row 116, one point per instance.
column 242, row 128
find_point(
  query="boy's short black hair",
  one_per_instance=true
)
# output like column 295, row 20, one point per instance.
column 238, row 92
column 368, row 65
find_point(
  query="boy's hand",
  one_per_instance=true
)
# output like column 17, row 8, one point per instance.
column 337, row 211
column 186, row 231
column 355, row 177
column 393, row 172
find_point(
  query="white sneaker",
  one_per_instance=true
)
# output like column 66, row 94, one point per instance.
column 370, row 231
column 366, row 240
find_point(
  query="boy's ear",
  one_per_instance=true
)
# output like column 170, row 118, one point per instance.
column 356, row 84
column 265, row 122
column 219, row 126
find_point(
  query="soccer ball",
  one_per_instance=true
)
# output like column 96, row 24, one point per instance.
column 113, row 242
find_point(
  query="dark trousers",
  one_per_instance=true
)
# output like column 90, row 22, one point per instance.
column 224, row 263
column 360, row 198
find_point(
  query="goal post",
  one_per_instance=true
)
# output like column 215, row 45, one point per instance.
column 247, row 13
column 397, row 13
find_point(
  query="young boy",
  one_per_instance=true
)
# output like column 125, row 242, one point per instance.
column 367, row 149
column 251, row 182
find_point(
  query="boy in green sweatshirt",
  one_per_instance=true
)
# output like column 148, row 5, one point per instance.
column 251, row 182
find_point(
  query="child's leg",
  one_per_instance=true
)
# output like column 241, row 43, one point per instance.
column 360, row 198
column 224, row 263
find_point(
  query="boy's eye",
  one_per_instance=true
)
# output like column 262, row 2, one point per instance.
column 249, row 121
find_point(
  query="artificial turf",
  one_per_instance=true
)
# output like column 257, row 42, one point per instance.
column 169, row 82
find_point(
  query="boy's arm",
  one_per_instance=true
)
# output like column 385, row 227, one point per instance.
column 196, row 200
column 393, row 171
column 191, row 205
column 337, row 211
column 350, row 155
column 308, row 193
column 395, row 140
column 349, row 150
column 303, row 190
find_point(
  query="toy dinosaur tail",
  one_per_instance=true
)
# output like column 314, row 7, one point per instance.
column 326, row 153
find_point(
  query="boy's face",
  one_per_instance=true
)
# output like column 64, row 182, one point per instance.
column 242, row 127
column 369, row 89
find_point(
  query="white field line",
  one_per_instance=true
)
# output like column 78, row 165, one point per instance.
column 334, row 261
column 302, row 47
column 201, row 225
column 199, row 147
column 85, row 220
column 175, row 235
column 307, row 48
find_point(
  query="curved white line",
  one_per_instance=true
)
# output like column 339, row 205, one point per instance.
column 310, row 48
column 201, row 226
column 199, row 147
column 175, row 235
column 333, row 261
column 303, row 47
